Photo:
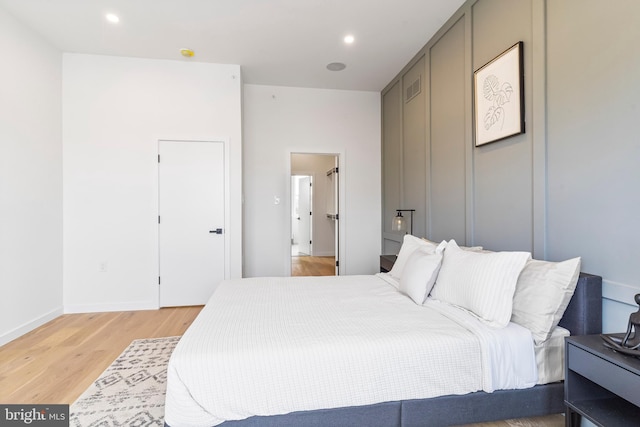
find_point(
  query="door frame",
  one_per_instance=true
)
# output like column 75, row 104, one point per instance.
column 341, row 230
column 227, row 202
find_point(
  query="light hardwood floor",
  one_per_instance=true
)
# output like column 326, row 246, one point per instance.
column 58, row 361
column 556, row 420
column 313, row 266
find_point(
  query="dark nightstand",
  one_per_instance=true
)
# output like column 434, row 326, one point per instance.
column 386, row 262
column 600, row 384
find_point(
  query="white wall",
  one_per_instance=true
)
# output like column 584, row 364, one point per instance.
column 279, row 121
column 30, row 180
column 114, row 111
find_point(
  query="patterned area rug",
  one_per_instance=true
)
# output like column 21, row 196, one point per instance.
column 131, row 391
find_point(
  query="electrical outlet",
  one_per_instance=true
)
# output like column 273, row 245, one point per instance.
column 103, row 267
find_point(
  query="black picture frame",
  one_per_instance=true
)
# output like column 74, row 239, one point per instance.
column 498, row 97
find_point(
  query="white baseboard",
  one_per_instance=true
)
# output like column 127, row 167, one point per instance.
column 120, row 306
column 30, row 326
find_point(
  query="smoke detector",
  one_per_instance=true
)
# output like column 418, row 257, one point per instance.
column 186, row 52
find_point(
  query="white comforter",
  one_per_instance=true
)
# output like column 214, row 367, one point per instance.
column 269, row 346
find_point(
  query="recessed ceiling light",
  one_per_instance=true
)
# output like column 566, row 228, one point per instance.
column 348, row 39
column 186, row 52
column 336, row 66
column 113, row 18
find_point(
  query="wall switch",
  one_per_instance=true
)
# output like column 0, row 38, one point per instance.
column 103, row 267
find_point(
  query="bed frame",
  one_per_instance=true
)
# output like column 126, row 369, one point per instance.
column 582, row 317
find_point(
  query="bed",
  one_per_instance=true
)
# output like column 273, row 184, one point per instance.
column 353, row 350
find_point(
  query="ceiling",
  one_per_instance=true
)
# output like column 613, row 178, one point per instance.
column 276, row 42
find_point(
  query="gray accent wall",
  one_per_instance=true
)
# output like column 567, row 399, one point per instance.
column 502, row 170
column 566, row 187
column 593, row 142
column 413, row 190
column 391, row 164
column 446, row 208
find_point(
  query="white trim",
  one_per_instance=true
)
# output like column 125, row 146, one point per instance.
column 342, row 212
column 30, row 326
column 619, row 292
column 120, row 306
column 324, row 253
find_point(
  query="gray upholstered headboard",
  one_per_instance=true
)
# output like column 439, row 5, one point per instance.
column 583, row 316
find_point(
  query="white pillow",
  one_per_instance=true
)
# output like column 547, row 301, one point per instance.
column 420, row 272
column 409, row 244
column 543, row 292
column 482, row 283
column 466, row 248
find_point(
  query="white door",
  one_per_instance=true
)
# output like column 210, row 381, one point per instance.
column 191, row 221
column 304, row 213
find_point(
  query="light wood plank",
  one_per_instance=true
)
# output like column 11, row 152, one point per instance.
column 556, row 420
column 313, row 266
column 58, row 361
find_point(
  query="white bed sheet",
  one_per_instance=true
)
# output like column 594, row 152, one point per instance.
column 270, row 346
column 550, row 357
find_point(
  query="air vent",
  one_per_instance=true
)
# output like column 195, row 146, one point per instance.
column 413, row 89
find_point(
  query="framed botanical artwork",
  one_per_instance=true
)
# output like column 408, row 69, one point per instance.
column 498, row 97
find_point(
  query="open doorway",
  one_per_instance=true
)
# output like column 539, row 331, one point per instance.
column 314, row 214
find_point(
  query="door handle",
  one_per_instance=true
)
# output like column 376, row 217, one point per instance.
column 216, row 231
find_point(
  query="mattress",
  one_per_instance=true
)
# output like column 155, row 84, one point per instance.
column 270, row 346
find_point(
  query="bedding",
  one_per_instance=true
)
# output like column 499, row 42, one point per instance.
column 271, row 346
column 542, row 294
column 583, row 316
column 483, row 283
column 409, row 245
column 550, row 356
column 420, row 273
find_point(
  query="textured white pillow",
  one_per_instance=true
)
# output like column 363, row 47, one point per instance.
column 543, row 292
column 466, row 248
column 419, row 273
column 482, row 283
column 409, row 244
